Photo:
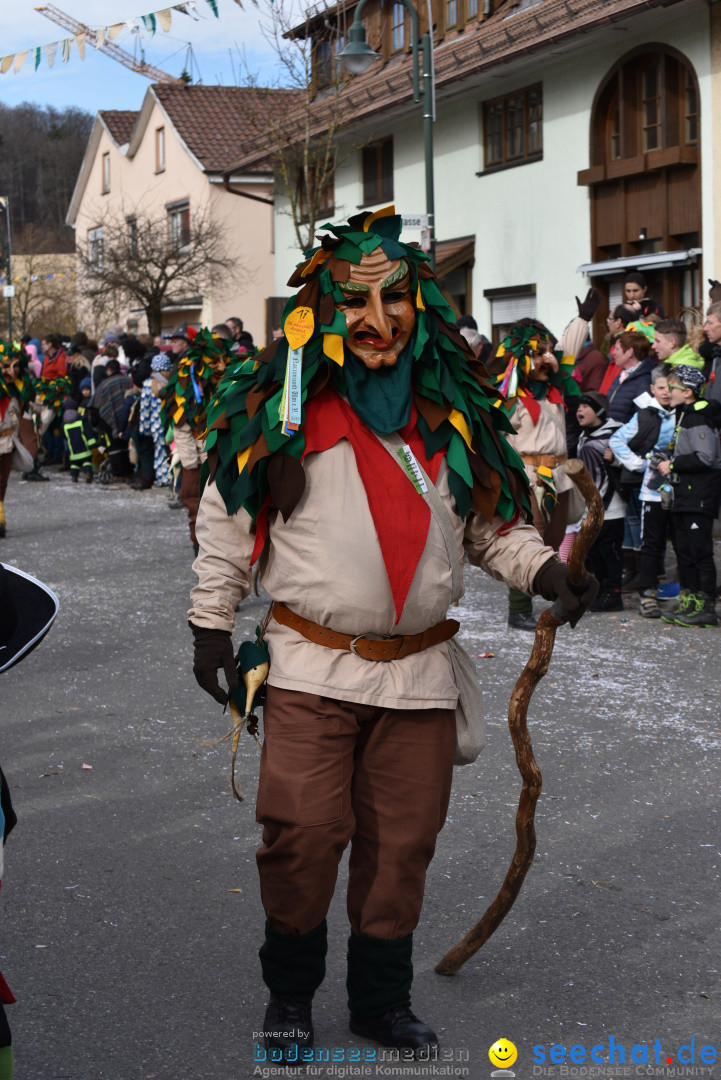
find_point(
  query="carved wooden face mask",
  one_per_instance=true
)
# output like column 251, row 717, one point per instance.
column 543, row 361
column 378, row 310
column 10, row 368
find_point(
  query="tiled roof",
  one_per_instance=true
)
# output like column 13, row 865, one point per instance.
column 120, row 124
column 508, row 34
column 214, row 122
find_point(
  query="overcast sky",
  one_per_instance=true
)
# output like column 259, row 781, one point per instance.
column 101, row 83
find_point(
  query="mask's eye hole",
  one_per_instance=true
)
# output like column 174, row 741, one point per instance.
column 350, row 302
column 393, row 296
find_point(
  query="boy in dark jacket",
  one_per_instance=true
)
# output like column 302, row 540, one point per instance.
column 694, row 472
column 604, row 559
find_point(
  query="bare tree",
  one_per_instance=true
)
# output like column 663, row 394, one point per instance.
column 301, row 134
column 150, row 262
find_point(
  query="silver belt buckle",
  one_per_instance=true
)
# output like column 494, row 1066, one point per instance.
column 373, row 637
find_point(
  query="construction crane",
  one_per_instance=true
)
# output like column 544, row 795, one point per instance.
column 108, row 47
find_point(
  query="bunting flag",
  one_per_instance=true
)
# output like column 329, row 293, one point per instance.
column 103, row 34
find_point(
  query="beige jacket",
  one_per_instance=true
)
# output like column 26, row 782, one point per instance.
column 191, row 450
column 9, row 426
column 325, row 562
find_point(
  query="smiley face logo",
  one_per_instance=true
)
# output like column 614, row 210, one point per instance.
column 503, row 1053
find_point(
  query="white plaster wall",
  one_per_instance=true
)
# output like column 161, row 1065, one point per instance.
column 532, row 222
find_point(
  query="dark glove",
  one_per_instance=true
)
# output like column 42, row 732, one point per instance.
column 715, row 290
column 214, row 650
column 551, row 582
column 587, row 309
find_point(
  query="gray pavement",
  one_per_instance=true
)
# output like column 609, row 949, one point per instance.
column 130, row 910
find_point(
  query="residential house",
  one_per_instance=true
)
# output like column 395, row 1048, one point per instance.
column 170, row 162
column 574, row 141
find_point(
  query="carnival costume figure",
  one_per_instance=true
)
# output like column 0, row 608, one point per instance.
column 535, row 377
column 16, row 392
column 184, row 411
column 320, row 453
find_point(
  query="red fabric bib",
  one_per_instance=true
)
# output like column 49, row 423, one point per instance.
column 400, row 514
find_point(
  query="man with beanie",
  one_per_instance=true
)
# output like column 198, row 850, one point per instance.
column 604, row 560
column 694, row 473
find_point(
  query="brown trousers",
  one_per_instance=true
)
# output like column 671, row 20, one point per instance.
column 5, row 464
column 190, row 496
column 334, row 772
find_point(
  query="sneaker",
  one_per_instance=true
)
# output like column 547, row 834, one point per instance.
column 649, row 608
column 685, row 600
column 668, row 591
column 701, row 613
column 608, row 601
column 522, row 620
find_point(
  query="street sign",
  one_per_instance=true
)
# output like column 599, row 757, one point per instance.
column 8, row 291
column 415, row 221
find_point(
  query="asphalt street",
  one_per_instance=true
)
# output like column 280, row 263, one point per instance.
column 130, row 910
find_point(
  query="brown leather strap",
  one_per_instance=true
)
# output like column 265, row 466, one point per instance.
column 549, row 460
column 366, row 646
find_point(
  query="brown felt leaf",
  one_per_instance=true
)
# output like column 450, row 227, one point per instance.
column 339, row 269
column 260, row 450
column 484, row 474
column 212, row 463
column 486, row 501
column 308, row 295
column 286, row 479
column 424, row 271
column 326, row 309
column 296, row 279
column 456, row 336
column 269, row 352
column 221, row 424
column 257, row 397
column 433, row 413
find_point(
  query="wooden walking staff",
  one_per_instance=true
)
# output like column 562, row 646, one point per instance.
column 531, row 675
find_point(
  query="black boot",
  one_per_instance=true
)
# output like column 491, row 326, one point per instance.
column 608, row 600
column 293, row 969
column 380, row 973
column 288, row 1029
column 520, row 611
column 631, row 565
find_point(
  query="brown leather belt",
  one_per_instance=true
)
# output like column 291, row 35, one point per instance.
column 367, row 646
column 548, row 460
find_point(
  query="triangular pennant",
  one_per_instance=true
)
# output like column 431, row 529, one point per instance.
column 65, row 47
column 100, row 37
column 114, row 30
column 20, row 59
column 214, row 7
column 50, row 51
column 6, row 63
column 80, row 42
column 38, row 56
column 164, row 18
column 149, row 21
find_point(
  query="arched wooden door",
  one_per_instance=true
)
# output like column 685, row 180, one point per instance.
column 645, row 177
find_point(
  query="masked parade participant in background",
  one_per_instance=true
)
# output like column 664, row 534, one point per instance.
column 357, row 458
column 184, row 411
